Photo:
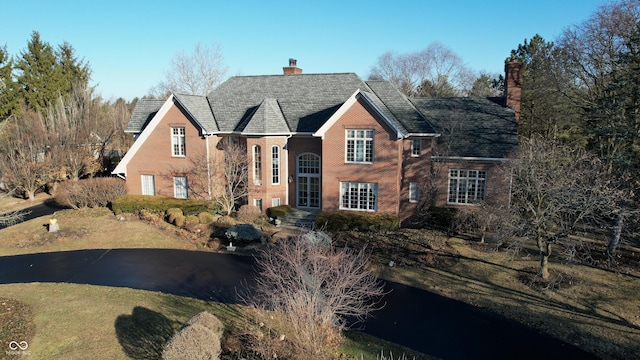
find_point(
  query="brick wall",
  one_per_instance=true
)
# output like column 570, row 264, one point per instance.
column 155, row 157
column 385, row 169
column 267, row 190
column 497, row 182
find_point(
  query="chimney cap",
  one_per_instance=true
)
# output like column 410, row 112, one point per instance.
column 293, row 62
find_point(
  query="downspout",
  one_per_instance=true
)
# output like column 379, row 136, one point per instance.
column 206, row 139
column 286, row 164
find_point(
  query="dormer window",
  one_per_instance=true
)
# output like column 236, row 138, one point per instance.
column 359, row 146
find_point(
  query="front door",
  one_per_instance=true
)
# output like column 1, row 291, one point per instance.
column 308, row 181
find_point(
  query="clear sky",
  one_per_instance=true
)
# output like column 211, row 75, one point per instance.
column 129, row 44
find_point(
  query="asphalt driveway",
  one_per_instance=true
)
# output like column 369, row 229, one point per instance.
column 418, row 319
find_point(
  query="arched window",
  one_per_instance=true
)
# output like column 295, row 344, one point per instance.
column 257, row 165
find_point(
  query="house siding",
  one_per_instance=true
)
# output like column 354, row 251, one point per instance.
column 384, row 170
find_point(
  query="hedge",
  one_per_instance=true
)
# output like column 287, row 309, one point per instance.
column 278, row 211
column 160, row 204
column 358, row 221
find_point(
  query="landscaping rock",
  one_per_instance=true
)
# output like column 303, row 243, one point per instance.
column 243, row 232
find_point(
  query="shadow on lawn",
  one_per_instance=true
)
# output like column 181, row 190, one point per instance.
column 144, row 333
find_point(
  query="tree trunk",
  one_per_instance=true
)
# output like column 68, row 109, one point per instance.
column 31, row 194
column 615, row 237
column 544, row 260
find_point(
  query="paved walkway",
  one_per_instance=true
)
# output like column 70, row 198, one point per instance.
column 420, row 320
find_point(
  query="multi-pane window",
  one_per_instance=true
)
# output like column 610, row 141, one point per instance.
column 148, row 185
column 414, row 192
column 275, row 202
column 180, row 187
column 358, row 196
column 257, row 203
column 359, row 146
column 177, row 141
column 275, row 164
column 257, row 164
column 416, row 147
column 466, row 186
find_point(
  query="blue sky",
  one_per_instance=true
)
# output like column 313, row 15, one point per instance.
column 129, row 44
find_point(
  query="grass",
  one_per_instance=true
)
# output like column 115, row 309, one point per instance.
column 71, row 321
column 590, row 305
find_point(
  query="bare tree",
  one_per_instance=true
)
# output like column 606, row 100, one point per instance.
column 197, row 73
column 314, row 288
column 557, row 189
column 24, row 154
column 235, row 175
column 434, row 71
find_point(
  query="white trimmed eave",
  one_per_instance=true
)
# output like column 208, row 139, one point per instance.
column 469, row 158
column 203, row 131
column 121, row 169
column 358, row 94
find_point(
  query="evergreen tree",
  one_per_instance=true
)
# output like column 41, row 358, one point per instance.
column 45, row 74
column 545, row 111
column 9, row 102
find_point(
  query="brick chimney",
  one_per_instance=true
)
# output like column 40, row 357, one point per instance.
column 292, row 69
column 513, row 85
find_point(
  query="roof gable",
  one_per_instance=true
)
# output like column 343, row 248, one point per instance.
column 142, row 114
column 198, row 109
column 267, row 118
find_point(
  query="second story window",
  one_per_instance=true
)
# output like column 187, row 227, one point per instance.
column 177, row 141
column 275, row 164
column 416, row 147
column 257, row 165
column 359, row 146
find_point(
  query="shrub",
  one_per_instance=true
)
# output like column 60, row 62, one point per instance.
column 193, row 342
column 442, row 218
column 160, row 204
column 191, row 219
column 205, row 217
column 278, row 211
column 179, row 220
column 209, row 321
column 243, row 232
column 94, row 192
column 172, row 213
column 225, row 221
column 248, row 214
column 358, row 221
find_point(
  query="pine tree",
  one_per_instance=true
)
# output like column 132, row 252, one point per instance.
column 9, row 103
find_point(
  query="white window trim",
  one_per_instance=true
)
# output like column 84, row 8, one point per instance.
column 275, row 165
column 355, row 139
column 152, row 184
column 360, row 185
column 186, row 187
column 258, row 203
column 414, row 192
column 275, row 202
column 413, row 147
column 175, row 141
column 477, row 178
column 256, row 151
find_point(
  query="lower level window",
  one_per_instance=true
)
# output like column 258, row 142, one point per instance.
column 148, row 185
column 180, row 187
column 358, row 196
column 257, row 203
column 275, row 202
column 466, row 186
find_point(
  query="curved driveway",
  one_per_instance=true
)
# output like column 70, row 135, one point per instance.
column 418, row 319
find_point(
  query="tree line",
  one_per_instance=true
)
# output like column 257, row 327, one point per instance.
column 53, row 126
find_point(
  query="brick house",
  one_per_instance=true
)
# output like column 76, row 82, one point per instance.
column 326, row 142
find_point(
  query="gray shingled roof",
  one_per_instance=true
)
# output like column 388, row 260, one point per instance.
column 398, row 105
column 470, row 127
column 144, row 111
column 198, row 107
column 306, row 100
column 267, row 118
